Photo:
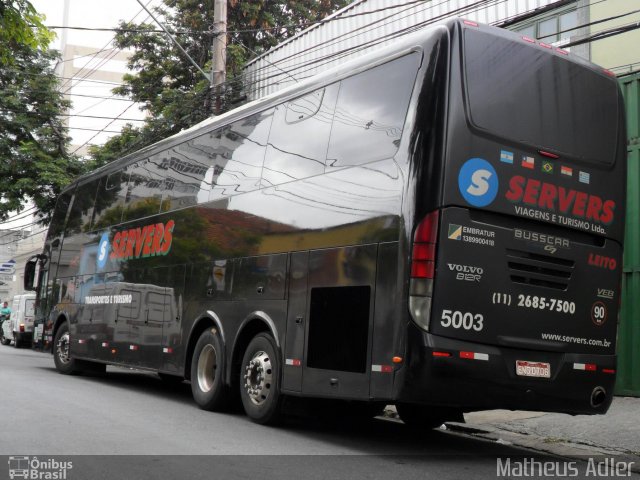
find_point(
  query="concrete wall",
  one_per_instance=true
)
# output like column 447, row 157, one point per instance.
column 620, row 53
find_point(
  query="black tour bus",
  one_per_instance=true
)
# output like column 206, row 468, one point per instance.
column 437, row 225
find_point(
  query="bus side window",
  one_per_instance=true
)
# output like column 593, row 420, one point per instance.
column 195, row 161
column 240, row 151
column 146, row 183
column 82, row 208
column 370, row 113
column 59, row 216
column 110, row 200
column 299, row 136
column 185, row 167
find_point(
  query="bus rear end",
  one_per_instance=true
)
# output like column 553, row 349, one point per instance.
column 515, row 281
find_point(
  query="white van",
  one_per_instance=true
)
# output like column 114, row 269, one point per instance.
column 22, row 313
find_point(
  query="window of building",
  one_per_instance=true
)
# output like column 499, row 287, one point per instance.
column 551, row 29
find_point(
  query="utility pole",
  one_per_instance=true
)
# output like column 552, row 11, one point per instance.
column 219, row 52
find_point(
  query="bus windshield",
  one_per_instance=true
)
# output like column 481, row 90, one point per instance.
column 547, row 102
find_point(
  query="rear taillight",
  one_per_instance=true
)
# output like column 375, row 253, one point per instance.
column 423, row 258
column 423, row 269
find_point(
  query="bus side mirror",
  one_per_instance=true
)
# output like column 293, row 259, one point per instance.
column 30, row 273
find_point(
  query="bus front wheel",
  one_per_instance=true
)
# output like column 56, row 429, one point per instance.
column 260, row 380
column 207, row 371
column 61, row 352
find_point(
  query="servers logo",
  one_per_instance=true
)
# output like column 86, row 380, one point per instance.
column 142, row 242
column 103, row 250
column 478, row 182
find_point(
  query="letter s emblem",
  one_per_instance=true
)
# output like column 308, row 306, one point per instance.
column 103, row 250
column 478, row 182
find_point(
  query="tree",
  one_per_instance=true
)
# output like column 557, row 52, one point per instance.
column 173, row 93
column 34, row 162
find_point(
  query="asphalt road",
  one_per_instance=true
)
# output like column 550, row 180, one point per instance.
column 157, row 431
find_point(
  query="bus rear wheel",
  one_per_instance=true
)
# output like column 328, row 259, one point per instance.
column 62, row 352
column 260, row 380
column 426, row 417
column 207, row 372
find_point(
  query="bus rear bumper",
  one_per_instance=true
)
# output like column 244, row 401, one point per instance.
column 447, row 372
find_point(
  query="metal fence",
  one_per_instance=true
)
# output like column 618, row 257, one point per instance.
column 628, row 382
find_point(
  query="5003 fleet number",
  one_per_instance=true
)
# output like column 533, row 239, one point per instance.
column 464, row 320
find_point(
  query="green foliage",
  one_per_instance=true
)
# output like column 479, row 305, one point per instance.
column 172, row 91
column 34, row 163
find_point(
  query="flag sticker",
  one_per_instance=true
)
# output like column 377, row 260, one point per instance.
column 547, row 167
column 584, row 177
column 455, row 232
column 528, row 162
column 566, row 171
column 506, row 157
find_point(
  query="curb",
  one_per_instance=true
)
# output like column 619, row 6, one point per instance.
column 554, row 446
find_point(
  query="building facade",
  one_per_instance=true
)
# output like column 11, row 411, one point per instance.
column 604, row 32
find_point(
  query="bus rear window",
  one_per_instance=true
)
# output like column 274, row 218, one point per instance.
column 524, row 94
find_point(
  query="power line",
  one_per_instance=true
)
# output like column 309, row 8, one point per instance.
column 94, row 130
column 73, row 95
column 105, row 127
column 380, row 23
column 23, row 214
column 296, row 66
column 604, row 34
column 328, row 58
column 113, row 53
column 330, row 18
column 590, row 24
column 24, row 238
column 9, row 69
column 101, row 117
column 369, row 43
column 130, row 30
column 127, row 108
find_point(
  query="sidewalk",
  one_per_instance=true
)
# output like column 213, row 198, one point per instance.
column 615, row 434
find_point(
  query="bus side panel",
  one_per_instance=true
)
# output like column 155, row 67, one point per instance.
column 387, row 316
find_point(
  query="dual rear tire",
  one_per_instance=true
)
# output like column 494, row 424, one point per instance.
column 260, row 380
column 259, row 377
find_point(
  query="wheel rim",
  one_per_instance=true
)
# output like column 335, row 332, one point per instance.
column 258, row 378
column 207, row 365
column 62, row 348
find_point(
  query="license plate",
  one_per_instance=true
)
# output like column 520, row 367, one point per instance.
column 533, row 369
